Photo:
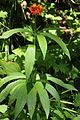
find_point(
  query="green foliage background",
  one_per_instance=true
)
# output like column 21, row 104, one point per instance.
column 39, row 61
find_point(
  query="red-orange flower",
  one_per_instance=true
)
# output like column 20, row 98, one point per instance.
column 35, row 9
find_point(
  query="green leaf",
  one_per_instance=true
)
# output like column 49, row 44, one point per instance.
column 44, row 98
column 29, row 60
column 5, row 119
column 9, row 33
column 77, row 118
column 52, row 91
column 60, row 82
column 3, row 108
column 43, row 44
column 3, row 14
column 11, row 77
column 20, row 51
column 4, row 93
column 10, row 67
column 77, row 100
column 59, row 113
column 59, row 41
column 54, row 118
column 21, row 99
column 14, row 92
column 77, row 30
column 53, row 17
column 31, row 101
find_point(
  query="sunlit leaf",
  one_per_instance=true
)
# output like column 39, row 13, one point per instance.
column 3, row 108
column 10, row 67
column 20, row 51
column 29, row 60
column 3, row 14
column 43, row 44
column 77, row 30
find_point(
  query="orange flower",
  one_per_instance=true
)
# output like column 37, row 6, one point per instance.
column 35, row 9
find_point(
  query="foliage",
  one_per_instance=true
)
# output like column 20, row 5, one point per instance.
column 39, row 61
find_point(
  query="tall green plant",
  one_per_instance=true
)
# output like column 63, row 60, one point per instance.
column 18, row 83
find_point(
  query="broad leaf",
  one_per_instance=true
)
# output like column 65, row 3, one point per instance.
column 31, row 101
column 29, row 60
column 4, row 93
column 10, row 67
column 11, row 77
column 43, row 44
column 52, row 91
column 44, row 98
column 21, row 99
column 3, row 108
column 59, row 41
column 60, row 82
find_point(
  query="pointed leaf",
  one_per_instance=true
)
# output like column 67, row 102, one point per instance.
column 29, row 60
column 21, row 99
column 9, row 33
column 14, row 92
column 43, row 44
column 44, row 98
column 11, row 77
column 59, row 41
column 52, row 91
column 4, row 93
column 60, row 82
column 31, row 101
